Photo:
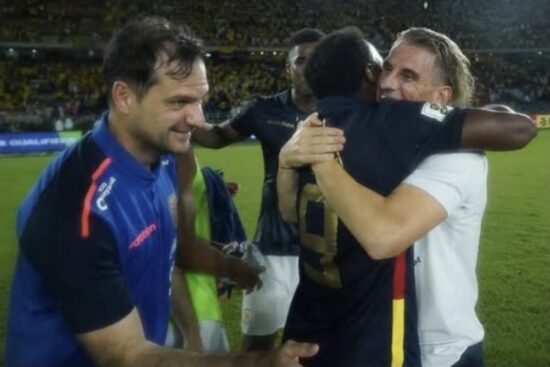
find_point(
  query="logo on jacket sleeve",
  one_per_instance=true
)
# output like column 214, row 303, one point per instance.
column 104, row 190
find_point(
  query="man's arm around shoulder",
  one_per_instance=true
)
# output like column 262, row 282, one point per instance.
column 216, row 135
column 383, row 225
column 495, row 129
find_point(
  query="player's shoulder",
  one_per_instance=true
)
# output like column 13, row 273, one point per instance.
column 74, row 166
column 66, row 187
column 414, row 109
column 262, row 103
column 435, row 111
column 277, row 99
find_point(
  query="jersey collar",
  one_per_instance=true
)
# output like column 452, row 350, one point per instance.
column 336, row 106
column 120, row 156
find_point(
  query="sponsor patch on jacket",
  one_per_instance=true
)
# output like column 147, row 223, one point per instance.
column 435, row 111
column 104, row 190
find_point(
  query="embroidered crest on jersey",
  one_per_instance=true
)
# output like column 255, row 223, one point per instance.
column 435, row 111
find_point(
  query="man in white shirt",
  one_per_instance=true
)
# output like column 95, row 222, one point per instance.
column 426, row 66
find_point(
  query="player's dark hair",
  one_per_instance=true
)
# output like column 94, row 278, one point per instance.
column 338, row 63
column 305, row 35
column 453, row 66
column 143, row 45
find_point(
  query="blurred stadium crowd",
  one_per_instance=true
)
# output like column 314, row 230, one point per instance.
column 50, row 57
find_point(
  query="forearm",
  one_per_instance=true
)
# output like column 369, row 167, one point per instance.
column 123, row 344
column 287, row 187
column 186, row 236
column 154, row 355
column 497, row 130
column 216, row 135
column 183, row 313
column 381, row 225
column 203, row 257
column 360, row 209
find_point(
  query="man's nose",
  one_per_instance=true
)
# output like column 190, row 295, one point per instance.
column 387, row 82
column 196, row 117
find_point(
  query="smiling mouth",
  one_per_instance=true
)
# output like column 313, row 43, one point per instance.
column 386, row 97
column 184, row 131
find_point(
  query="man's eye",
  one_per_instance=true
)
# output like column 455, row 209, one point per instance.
column 177, row 103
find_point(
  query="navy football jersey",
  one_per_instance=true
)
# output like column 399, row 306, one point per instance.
column 97, row 237
column 362, row 312
column 272, row 120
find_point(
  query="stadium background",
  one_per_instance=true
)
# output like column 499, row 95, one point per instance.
column 50, row 57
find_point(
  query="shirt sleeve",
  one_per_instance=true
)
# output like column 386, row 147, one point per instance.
column 416, row 130
column 243, row 118
column 83, row 275
column 449, row 178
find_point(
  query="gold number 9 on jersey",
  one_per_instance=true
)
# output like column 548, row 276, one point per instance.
column 326, row 245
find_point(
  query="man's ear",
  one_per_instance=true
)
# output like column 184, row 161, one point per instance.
column 372, row 72
column 369, row 75
column 287, row 67
column 444, row 95
column 123, row 96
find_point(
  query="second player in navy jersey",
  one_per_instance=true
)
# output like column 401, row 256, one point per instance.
column 272, row 120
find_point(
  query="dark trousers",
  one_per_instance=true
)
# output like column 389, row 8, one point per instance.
column 472, row 357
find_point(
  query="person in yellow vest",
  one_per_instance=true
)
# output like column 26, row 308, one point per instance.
column 203, row 287
column 206, row 215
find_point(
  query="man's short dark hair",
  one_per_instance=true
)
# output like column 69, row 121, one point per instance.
column 305, row 35
column 338, row 63
column 143, row 45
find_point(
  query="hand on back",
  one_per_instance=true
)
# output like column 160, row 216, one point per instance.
column 311, row 143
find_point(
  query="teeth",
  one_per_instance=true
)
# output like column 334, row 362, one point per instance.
column 181, row 131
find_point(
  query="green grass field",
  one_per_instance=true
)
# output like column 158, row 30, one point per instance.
column 514, row 264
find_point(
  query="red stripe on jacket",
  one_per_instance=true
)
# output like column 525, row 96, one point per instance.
column 85, row 216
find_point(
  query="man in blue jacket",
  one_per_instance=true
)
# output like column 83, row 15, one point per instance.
column 97, row 233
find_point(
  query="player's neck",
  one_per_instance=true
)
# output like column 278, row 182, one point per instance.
column 305, row 102
column 137, row 149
